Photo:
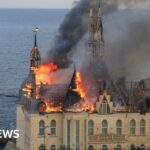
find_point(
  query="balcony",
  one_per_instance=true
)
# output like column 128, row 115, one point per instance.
column 109, row 138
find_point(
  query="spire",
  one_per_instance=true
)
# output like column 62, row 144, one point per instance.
column 99, row 8
column 35, row 42
column 35, row 38
column 96, row 32
column 72, row 96
column 100, row 22
column 35, row 58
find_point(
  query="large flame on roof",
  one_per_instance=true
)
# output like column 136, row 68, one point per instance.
column 43, row 73
column 43, row 77
column 51, row 108
column 80, row 87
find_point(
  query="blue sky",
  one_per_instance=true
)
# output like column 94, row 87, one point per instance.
column 36, row 3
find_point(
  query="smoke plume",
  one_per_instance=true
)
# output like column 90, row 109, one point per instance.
column 75, row 26
column 127, row 47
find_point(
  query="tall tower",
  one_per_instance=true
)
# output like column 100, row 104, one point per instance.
column 35, row 61
column 96, row 32
column 35, row 58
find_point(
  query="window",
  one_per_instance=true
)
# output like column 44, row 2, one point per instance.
column 133, row 147
column 104, row 127
column 42, row 147
column 77, row 134
column 104, row 107
column 142, row 147
column 118, row 147
column 41, row 127
column 142, row 127
column 90, row 127
column 104, row 147
column 68, row 133
column 53, row 127
column 90, row 147
column 53, row 147
column 119, row 127
column 132, row 127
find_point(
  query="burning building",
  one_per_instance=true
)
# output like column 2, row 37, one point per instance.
column 52, row 113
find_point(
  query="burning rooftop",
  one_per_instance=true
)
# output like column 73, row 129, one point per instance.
column 73, row 94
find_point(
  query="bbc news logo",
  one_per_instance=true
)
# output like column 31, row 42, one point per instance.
column 8, row 134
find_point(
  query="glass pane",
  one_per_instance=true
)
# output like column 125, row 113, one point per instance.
column 104, row 147
column 104, row 131
column 104, row 123
column 142, row 147
column 142, row 123
column 68, row 133
column 108, row 109
column 132, row 123
column 142, row 131
column 42, row 147
column 132, row 131
column 90, row 123
column 90, row 148
column 53, row 123
column 42, row 131
column 90, row 131
column 53, row 131
column 41, row 127
column 53, row 147
column 119, row 131
column 90, row 127
column 100, row 109
column 104, row 108
column 119, row 123
column 41, row 123
column 77, row 135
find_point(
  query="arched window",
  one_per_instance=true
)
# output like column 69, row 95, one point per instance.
column 133, row 147
column 142, row 147
column 132, row 127
column 90, row 127
column 53, row 147
column 90, row 147
column 118, row 147
column 104, row 107
column 104, row 147
column 53, row 127
column 42, row 147
column 41, row 127
column 104, row 127
column 119, row 127
column 142, row 127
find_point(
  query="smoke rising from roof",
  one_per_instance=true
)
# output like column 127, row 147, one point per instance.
column 126, row 40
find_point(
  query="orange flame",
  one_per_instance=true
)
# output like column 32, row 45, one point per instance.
column 80, row 87
column 43, row 73
column 50, row 108
column 28, row 89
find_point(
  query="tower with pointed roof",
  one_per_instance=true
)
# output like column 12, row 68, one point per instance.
column 72, row 96
column 35, row 58
column 96, row 32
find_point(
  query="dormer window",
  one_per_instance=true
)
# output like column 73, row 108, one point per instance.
column 104, row 107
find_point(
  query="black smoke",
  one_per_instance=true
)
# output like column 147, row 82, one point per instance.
column 72, row 29
column 75, row 26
